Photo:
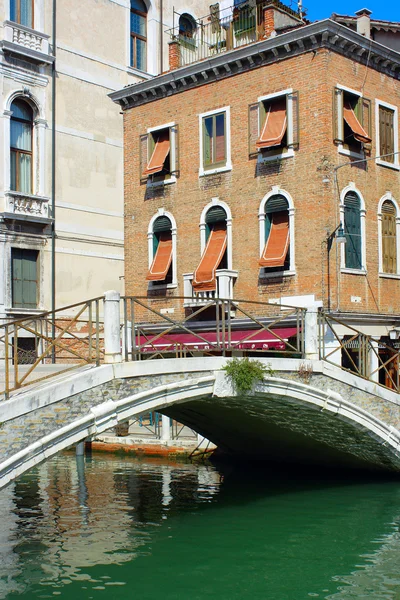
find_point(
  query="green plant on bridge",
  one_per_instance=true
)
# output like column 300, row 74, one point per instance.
column 245, row 373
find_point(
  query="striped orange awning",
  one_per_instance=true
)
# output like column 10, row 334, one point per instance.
column 160, row 153
column 275, row 250
column 204, row 278
column 357, row 129
column 162, row 259
column 274, row 126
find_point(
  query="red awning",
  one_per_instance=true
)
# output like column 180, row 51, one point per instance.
column 274, row 125
column 160, row 153
column 275, row 250
column 204, row 276
column 357, row 129
column 162, row 259
column 240, row 340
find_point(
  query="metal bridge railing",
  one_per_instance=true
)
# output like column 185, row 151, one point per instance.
column 71, row 336
column 358, row 353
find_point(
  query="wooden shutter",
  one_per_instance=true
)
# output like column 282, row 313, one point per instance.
column 294, row 99
column 386, row 133
column 275, row 204
column 174, row 135
column 215, row 215
column 352, row 226
column 366, row 121
column 389, row 259
column 337, row 115
column 143, row 156
column 24, row 277
column 253, row 133
column 162, row 224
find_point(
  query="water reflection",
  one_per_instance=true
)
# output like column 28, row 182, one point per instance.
column 85, row 528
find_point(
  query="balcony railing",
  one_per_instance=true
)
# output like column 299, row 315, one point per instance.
column 26, row 42
column 28, row 205
column 224, row 289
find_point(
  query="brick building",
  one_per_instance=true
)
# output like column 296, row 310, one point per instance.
column 243, row 165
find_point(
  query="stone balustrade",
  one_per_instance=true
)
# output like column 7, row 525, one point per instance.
column 18, row 203
column 25, row 41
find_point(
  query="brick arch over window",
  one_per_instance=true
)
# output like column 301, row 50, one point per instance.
column 352, row 215
column 161, row 223
column 277, row 201
column 388, row 235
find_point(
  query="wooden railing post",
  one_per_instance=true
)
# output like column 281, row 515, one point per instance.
column 112, row 336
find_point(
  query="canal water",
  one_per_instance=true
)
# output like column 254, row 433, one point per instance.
column 117, row 528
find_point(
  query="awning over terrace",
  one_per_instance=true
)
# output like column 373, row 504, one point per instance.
column 205, row 341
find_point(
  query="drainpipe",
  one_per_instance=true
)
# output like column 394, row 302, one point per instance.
column 161, row 37
column 53, row 179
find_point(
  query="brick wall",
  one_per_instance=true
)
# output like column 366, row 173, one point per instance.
column 307, row 177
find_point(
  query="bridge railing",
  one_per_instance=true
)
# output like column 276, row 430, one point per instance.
column 357, row 352
column 162, row 327
column 68, row 338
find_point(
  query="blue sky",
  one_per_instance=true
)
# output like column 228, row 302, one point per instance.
column 388, row 10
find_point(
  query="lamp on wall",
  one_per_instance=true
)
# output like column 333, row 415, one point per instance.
column 339, row 234
column 394, row 334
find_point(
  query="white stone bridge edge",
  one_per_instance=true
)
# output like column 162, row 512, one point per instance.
column 108, row 414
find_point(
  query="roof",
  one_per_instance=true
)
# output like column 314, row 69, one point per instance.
column 375, row 23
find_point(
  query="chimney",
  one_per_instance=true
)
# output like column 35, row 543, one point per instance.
column 269, row 21
column 364, row 22
column 174, row 55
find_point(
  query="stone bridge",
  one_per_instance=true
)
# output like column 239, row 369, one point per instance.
column 306, row 412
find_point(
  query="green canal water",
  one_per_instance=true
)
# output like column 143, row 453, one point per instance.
column 116, row 528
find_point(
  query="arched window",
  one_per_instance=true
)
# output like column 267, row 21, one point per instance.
column 138, row 35
column 215, row 253
column 161, row 251
column 275, row 254
column 187, row 26
column 21, row 11
column 21, row 147
column 352, row 228
column 389, row 238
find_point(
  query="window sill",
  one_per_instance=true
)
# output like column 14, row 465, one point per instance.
column 384, row 163
column 389, row 275
column 203, row 172
column 353, row 271
column 276, row 274
column 359, row 155
column 162, row 286
column 153, row 184
column 25, row 311
column 289, row 153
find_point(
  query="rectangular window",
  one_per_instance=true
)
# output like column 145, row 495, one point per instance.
column 215, row 154
column 274, row 126
column 21, row 11
column 387, row 134
column 352, row 122
column 159, row 155
column 24, row 273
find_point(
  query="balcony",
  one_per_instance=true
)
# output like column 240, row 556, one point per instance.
column 225, row 281
column 26, row 207
column 26, row 43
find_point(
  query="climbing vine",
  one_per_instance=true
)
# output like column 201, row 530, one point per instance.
column 245, row 373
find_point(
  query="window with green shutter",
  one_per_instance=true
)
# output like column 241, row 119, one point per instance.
column 24, row 270
column 389, row 258
column 352, row 227
column 162, row 225
column 214, row 141
column 216, row 215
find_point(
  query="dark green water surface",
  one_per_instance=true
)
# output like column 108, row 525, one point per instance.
column 118, row 528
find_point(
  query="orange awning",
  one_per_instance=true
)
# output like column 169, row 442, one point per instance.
column 274, row 126
column 162, row 259
column 160, row 153
column 277, row 245
column 357, row 129
column 204, row 276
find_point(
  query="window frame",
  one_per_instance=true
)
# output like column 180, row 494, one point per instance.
column 25, row 309
column 265, row 273
column 18, row 13
column 203, row 170
column 203, row 229
column 340, row 121
column 133, row 36
column 150, row 249
column 173, row 138
column 388, row 197
column 288, row 150
column 18, row 151
column 396, row 158
column 363, row 270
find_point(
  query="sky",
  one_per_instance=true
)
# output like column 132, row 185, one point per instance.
column 388, row 10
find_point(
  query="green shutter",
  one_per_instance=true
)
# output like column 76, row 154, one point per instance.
column 24, row 277
column 389, row 255
column 207, row 141
column 253, row 133
column 162, row 224
column 352, row 226
column 215, row 215
column 276, row 203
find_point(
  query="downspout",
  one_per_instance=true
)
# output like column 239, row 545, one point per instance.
column 161, row 38
column 53, row 179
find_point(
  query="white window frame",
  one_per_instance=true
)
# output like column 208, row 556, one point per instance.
column 203, row 241
column 388, row 196
column 276, row 190
column 228, row 166
column 363, row 271
column 172, row 142
column 380, row 161
column 340, row 126
column 161, row 212
column 287, row 152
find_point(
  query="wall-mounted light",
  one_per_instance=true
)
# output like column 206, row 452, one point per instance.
column 394, row 334
column 339, row 234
